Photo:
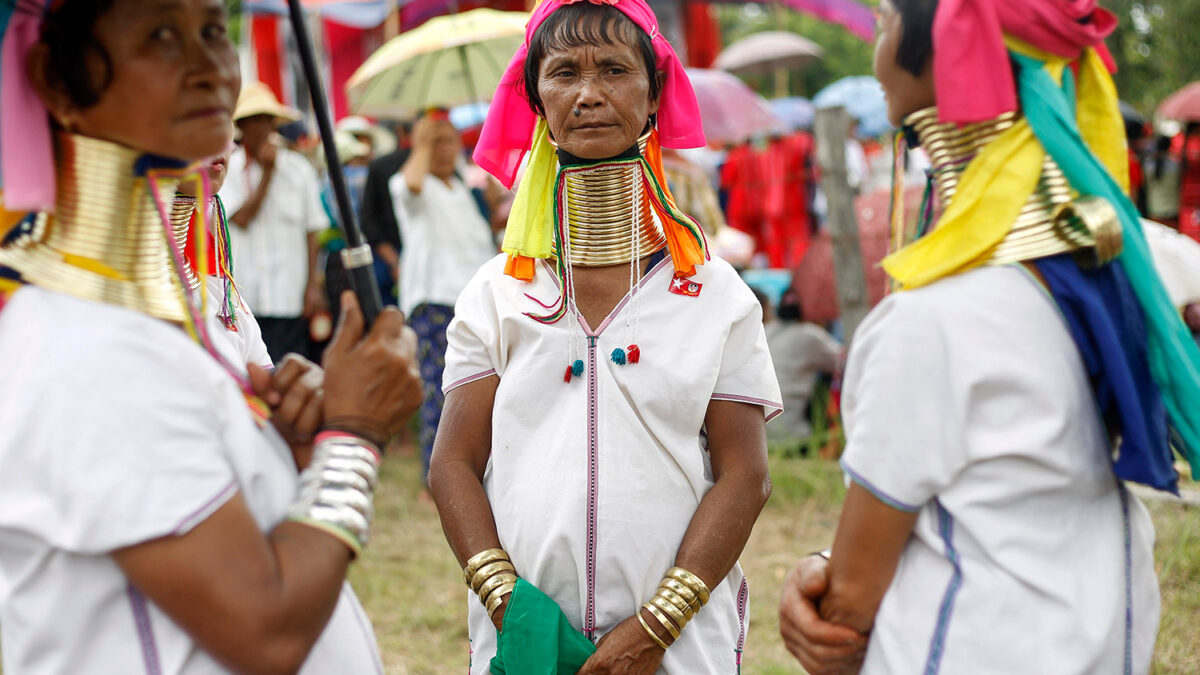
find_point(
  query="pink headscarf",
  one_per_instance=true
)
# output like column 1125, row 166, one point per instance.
column 26, row 149
column 508, row 130
column 971, row 72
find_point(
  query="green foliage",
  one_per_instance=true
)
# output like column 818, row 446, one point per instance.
column 1157, row 48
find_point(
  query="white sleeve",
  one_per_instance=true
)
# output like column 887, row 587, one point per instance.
column 123, row 449
column 254, row 349
column 747, row 373
column 473, row 337
column 233, row 192
column 902, row 414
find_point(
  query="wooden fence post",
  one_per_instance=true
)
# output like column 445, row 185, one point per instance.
column 832, row 126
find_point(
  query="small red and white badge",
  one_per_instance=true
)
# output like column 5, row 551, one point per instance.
column 683, row 286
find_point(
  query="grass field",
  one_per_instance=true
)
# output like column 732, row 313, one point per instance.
column 412, row 588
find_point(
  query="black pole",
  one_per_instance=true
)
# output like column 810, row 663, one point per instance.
column 357, row 254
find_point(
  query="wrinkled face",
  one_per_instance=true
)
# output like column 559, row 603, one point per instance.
column 608, row 85
column 905, row 92
column 172, row 84
column 446, row 146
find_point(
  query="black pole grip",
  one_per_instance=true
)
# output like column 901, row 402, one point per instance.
column 362, row 278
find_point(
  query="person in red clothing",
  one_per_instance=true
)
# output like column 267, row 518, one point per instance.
column 1189, row 182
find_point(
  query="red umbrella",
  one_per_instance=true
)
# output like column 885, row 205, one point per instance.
column 730, row 110
column 814, row 277
column 1183, row 105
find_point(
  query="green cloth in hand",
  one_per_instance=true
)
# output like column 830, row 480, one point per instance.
column 536, row 638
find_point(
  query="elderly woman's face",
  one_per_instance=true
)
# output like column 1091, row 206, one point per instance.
column 173, row 80
column 608, row 85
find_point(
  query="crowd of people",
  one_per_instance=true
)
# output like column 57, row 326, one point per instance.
column 183, row 488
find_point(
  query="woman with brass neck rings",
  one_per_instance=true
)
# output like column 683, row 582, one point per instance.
column 152, row 519
column 607, row 383
column 1028, row 368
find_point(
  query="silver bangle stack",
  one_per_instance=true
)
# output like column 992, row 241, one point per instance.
column 337, row 490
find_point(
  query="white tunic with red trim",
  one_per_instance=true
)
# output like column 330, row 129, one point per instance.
column 594, row 482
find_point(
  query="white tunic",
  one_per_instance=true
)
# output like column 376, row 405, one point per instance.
column 115, row 429
column 967, row 401
column 445, row 239
column 247, row 340
column 594, row 482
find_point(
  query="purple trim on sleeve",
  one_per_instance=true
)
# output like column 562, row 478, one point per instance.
column 772, row 406
column 467, row 380
column 141, row 618
column 215, row 502
column 880, row 494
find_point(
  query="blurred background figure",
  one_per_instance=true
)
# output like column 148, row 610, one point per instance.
column 377, row 213
column 802, row 353
column 446, row 239
column 273, row 196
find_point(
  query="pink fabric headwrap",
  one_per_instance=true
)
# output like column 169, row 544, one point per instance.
column 508, row 130
column 26, row 149
column 972, row 76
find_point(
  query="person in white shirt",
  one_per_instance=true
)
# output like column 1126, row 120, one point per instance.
column 446, row 240
column 998, row 404
column 273, row 199
column 604, row 441
column 802, row 351
column 151, row 520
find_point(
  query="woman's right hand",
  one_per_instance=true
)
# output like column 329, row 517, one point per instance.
column 372, row 383
column 823, row 648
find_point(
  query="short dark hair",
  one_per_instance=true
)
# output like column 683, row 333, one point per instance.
column 916, row 44
column 68, row 31
column 789, row 308
column 584, row 23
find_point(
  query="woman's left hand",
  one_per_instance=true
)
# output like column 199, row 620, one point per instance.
column 625, row 650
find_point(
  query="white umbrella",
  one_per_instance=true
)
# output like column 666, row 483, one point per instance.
column 447, row 61
column 767, row 51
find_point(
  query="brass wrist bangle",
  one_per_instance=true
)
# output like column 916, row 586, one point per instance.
column 691, row 581
column 650, row 631
column 671, row 610
column 480, row 559
column 488, row 571
column 497, row 598
column 676, row 601
column 688, row 595
column 662, row 618
column 492, row 584
column 508, row 580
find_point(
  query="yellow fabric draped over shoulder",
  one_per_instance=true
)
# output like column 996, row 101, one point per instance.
column 999, row 181
column 530, row 230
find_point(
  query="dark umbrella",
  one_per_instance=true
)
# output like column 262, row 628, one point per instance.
column 357, row 255
column 1135, row 121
